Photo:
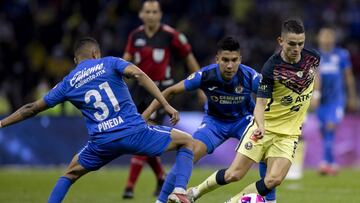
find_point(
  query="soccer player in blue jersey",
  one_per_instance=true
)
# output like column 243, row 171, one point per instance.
column 283, row 98
column 229, row 86
column 96, row 87
column 335, row 78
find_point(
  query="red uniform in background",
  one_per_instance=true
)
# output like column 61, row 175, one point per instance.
column 153, row 55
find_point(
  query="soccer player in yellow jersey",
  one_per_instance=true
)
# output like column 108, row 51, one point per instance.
column 282, row 101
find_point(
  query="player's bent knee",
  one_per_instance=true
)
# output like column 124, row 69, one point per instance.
column 182, row 139
column 233, row 175
column 273, row 181
column 75, row 172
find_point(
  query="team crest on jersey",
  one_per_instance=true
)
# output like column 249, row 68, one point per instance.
column 286, row 101
column 158, row 55
column 214, row 98
column 297, row 81
column 300, row 74
column 239, row 89
column 248, row 145
column 140, row 42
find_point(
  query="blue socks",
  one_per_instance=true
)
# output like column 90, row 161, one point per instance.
column 62, row 186
column 184, row 164
column 328, row 141
column 179, row 174
column 262, row 170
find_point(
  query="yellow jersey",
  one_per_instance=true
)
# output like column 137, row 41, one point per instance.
column 288, row 88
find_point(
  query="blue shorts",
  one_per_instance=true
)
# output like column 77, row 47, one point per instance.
column 153, row 141
column 330, row 113
column 213, row 132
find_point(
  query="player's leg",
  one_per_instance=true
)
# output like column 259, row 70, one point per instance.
column 329, row 116
column 238, row 131
column 184, row 145
column 271, row 197
column 279, row 154
column 235, row 172
column 136, row 164
column 276, row 172
column 73, row 172
column 200, row 150
column 159, row 171
column 328, row 137
column 158, row 139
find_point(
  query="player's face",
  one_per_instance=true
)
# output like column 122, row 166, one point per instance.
column 229, row 62
column 292, row 45
column 326, row 39
column 150, row 14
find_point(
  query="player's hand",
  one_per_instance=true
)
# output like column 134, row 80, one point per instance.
column 258, row 134
column 146, row 114
column 173, row 113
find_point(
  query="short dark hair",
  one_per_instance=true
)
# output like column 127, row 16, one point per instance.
column 83, row 42
column 293, row 25
column 228, row 44
column 150, row 1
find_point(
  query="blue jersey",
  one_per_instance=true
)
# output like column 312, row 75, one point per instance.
column 227, row 100
column 97, row 89
column 332, row 67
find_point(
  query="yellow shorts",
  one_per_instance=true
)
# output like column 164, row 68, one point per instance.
column 271, row 145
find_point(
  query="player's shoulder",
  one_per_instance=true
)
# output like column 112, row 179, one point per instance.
column 312, row 52
column 341, row 51
column 210, row 67
column 247, row 69
column 168, row 28
column 139, row 31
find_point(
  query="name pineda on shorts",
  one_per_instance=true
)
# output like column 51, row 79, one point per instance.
column 110, row 123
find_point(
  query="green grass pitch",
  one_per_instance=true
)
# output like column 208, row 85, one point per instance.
column 106, row 186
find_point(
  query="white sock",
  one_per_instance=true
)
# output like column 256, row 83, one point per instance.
column 158, row 201
column 272, row 201
column 179, row 190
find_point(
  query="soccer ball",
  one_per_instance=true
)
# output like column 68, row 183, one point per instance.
column 252, row 198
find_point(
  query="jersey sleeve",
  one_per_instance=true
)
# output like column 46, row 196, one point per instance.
column 256, row 78
column 180, row 44
column 120, row 64
column 193, row 81
column 345, row 61
column 267, row 81
column 130, row 45
column 56, row 95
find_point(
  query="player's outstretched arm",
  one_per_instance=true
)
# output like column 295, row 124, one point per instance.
column 168, row 93
column 133, row 71
column 26, row 111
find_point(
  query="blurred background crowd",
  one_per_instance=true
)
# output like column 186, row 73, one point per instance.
column 37, row 36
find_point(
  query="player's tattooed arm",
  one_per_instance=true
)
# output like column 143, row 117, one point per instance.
column 26, row 111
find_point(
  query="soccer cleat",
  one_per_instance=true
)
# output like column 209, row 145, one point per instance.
column 178, row 198
column 191, row 194
column 128, row 193
column 328, row 170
